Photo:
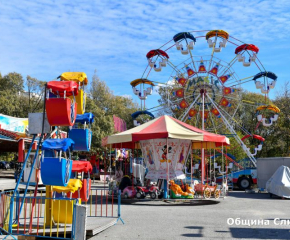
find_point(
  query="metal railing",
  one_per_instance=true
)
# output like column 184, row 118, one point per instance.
column 40, row 216
column 53, row 217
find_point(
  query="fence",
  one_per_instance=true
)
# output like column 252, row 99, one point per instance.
column 101, row 203
column 53, row 217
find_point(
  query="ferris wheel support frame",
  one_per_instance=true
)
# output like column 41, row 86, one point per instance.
column 187, row 110
column 230, row 128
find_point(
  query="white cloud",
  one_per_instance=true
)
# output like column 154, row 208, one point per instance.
column 45, row 38
column 127, row 96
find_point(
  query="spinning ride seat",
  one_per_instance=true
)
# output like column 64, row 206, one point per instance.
column 177, row 192
column 61, row 110
column 81, row 101
column 63, row 209
column 79, row 77
column 82, row 80
column 82, row 137
column 73, row 186
column 56, row 171
column 85, row 190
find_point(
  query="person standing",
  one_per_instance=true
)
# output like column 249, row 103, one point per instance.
column 119, row 174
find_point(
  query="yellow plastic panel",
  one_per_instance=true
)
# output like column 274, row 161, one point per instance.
column 79, row 77
column 63, row 211
column 81, row 101
column 73, row 186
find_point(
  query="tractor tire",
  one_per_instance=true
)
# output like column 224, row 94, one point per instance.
column 244, row 183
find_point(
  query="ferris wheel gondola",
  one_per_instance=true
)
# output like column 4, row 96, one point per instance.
column 206, row 90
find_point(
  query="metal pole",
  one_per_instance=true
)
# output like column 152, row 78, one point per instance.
column 119, row 208
column 167, row 185
column 202, row 149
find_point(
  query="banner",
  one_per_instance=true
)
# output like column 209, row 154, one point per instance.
column 119, row 124
column 13, row 124
column 157, row 159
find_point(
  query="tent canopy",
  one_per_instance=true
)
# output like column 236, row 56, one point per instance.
column 166, row 127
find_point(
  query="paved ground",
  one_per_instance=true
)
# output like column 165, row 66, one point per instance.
column 158, row 220
column 163, row 221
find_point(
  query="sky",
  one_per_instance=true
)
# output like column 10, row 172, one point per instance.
column 43, row 38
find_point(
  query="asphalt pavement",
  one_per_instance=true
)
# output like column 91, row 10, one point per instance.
column 239, row 216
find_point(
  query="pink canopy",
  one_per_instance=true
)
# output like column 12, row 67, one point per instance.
column 166, row 127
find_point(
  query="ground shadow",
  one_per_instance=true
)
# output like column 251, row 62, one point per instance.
column 265, row 196
column 258, row 233
column 149, row 202
column 198, row 234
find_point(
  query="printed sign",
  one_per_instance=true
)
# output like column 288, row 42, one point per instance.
column 13, row 124
column 161, row 159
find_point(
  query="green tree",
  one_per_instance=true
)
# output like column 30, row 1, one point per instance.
column 12, row 81
column 35, row 94
column 104, row 104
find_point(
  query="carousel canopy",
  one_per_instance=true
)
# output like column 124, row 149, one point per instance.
column 166, row 127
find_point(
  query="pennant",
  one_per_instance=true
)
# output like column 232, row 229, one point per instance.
column 179, row 93
column 227, row 90
column 206, row 113
column 192, row 112
column 216, row 112
column 214, row 70
column 201, row 68
column 181, row 80
column 190, row 72
column 224, row 102
column 225, row 78
column 183, row 104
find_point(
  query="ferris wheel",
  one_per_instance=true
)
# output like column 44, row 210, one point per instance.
column 207, row 72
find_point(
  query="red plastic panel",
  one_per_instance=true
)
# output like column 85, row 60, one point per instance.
column 58, row 88
column 59, row 111
column 81, row 166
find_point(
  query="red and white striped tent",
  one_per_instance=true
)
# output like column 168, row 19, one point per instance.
column 166, row 127
column 165, row 143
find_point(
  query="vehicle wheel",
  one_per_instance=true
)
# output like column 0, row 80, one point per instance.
column 216, row 194
column 244, row 183
column 207, row 193
column 126, row 195
column 153, row 195
column 139, row 195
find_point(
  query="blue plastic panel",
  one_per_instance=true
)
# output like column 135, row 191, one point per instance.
column 82, row 139
column 55, row 172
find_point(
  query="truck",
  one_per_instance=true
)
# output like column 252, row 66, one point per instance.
column 266, row 167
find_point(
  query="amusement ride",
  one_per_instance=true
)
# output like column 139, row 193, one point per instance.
column 205, row 74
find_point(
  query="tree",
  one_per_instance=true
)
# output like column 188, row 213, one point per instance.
column 104, row 104
column 35, row 93
column 12, row 81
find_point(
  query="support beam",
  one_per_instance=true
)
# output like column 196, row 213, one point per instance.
column 231, row 129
